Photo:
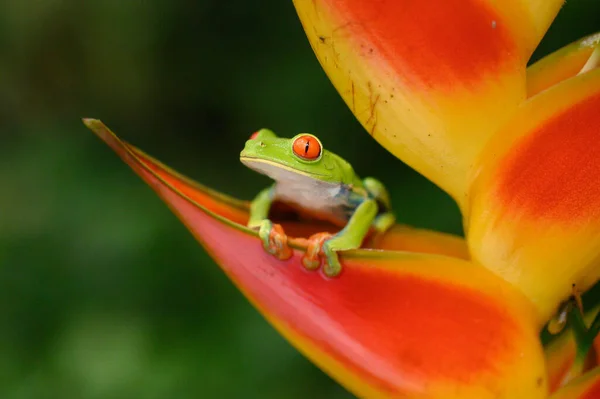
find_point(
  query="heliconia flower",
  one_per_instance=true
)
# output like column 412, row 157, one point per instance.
column 411, row 316
column 443, row 85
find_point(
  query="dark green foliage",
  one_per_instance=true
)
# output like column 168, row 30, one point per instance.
column 103, row 293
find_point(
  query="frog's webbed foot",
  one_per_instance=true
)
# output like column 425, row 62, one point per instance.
column 384, row 222
column 274, row 240
column 332, row 266
column 350, row 237
column 323, row 245
column 312, row 257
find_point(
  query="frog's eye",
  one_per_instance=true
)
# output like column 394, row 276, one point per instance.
column 307, row 147
column 253, row 135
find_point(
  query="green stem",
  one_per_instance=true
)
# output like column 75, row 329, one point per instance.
column 594, row 328
column 584, row 336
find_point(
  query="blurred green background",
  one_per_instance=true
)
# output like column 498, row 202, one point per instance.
column 104, row 294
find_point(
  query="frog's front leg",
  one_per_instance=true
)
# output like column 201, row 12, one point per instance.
column 350, row 237
column 274, row 239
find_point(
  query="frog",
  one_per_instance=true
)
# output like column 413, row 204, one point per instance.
column 321, row 184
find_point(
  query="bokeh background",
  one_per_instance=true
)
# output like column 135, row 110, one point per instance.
column 103, row 293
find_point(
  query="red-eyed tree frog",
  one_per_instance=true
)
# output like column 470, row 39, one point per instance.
column 319, row 183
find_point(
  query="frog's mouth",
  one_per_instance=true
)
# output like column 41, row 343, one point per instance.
column 278, row 171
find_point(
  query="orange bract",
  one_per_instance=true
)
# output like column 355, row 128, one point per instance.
column 527, row 178
column 533, row 214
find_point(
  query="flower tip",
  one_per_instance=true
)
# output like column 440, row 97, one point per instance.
column 99, row 129
column 95, row 125
column 91, row 122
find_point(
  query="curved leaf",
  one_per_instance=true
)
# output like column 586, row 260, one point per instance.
column 534, row 215
column 393, row 324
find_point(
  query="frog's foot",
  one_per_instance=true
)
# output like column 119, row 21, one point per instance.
column 383, row 222
column 332, row 266
column 311, row 259
column 323, row 244
column 274, row 240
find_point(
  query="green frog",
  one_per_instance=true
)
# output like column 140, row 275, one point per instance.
column 320, row 183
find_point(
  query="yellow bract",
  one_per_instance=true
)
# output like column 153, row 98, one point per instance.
column 534, row 208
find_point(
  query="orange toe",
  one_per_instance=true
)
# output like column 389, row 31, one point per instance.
column 311, row 259
column 278, row 243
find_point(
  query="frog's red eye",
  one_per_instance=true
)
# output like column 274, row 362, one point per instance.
column 253, row 135
column 307, row 147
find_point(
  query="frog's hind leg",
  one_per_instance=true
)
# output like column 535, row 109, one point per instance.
column 377, row 190
column 384, row 221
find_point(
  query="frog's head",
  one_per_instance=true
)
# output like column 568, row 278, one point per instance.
column 302, row 156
